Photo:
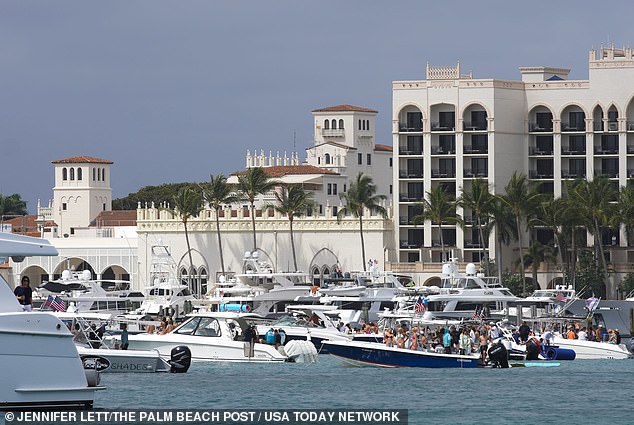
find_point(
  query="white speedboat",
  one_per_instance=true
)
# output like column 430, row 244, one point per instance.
column 212, row 336
column 40, row 367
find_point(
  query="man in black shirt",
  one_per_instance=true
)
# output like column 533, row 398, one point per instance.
column 24, row 294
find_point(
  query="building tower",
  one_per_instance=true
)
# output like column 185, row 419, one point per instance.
column 82, row 190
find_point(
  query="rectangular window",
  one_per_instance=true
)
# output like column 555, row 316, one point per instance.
column 446, row 144
column 390, row 162
column 334, row 211
column 414, row 121
column 369, row 159
column 334, row 188
column 479, row 120
column 64, row 206
column 360, row 158
column 321, row 209
column 329, row 189
column 390, row 189
column 344, row 187
column 577, row 121
column 544, row 121
column 446, row 120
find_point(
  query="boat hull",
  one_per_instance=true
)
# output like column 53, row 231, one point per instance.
column 367, row 353
column 123, row 361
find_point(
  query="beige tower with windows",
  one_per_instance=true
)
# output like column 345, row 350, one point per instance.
column 82, row 190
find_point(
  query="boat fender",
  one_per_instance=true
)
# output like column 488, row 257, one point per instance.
column 180, row 359
column 93, row 378
column 558, row 353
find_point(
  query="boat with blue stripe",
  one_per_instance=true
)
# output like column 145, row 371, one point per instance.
column 361, row 353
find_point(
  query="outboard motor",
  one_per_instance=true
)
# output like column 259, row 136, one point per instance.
column 180, row 359
column 498, row 354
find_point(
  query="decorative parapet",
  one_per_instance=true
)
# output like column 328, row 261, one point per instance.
column 446, row 73
column 151, row 219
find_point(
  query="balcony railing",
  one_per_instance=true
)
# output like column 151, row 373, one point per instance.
column 443, row 126
column 474, row 126
column 600, row 150
column 404, row 128
column 537, row 128
column 472, row 150
column 408, row 174
column 475, row 173
column 566, row 126
column 410, row 244
column 439, row 150
column 612, row 174
column 410, row 198
column 567, row 151
column 573, row 174
column 337, row 132
column 539, row 174
column 539, row 151
column 408, row 151
column 472, row 244
column 443, row 173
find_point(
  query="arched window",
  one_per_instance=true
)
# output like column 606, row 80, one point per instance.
column 202, row 278
column 103, row 174
column 94, row 174
column 359, row 124
column 368, row 125
column 64, row 174
column 341, row 124
column 72, row 173
column 316, row 277
column 327, row 158
column 326, row 125
column 334, row 124
column 79, row 174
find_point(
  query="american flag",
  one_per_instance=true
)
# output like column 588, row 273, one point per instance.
column 419, row 307
column 48, row 302
column 57, row 304
column 560, row 297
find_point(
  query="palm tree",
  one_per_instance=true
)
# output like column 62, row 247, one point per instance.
column 252, row 183
column 534, row 257
column 626, row 210
column 557, row 216
column 361, row 195
column 12, row 206
column 480, row 201
column 503, row 223
column 218, row 193
column 439, row 208
column 521, row 198
column 293, row 201
column 593, row 201
column 187, row 204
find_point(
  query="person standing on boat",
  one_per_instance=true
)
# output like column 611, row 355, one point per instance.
column 446, row 341
column 24, row 294
column 124, row 336
column 524, row 330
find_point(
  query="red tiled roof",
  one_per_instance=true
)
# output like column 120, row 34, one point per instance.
column 345, row 108
column 115, row 218
column 383, row 148
column 27, row 225
column 81, row 160
column 285, row 170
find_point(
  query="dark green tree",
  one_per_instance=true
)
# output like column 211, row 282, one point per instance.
column 188, row 203
column 252, row 183
column 12, row 206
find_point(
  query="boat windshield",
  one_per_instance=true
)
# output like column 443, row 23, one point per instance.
column 543, row 294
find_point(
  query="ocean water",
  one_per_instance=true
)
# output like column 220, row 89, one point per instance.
column 577, row 392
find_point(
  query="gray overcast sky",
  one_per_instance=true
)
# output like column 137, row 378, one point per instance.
column 172, row 91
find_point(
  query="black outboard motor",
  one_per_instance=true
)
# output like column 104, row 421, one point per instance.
column 180, row 359
column 532, row 349
column 499, row 356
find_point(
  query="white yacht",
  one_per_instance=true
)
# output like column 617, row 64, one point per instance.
column 462, row 296
column 165, row 295
column 40, row 367
column 212, row 336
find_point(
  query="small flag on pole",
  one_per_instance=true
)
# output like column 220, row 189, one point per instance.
column 419, row 307
column 48, row 302
column 58, row 304
column 592, row 303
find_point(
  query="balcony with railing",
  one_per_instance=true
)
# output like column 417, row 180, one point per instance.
column 535, row 127
column 474, row 125
column 472, row 244
column 443, row 150
column 573, row 127
column 611, row 173
column 410, row 173
column 410, row 150
column 442, row 174
column 443, row 126
column 573, row 150
column 540, row 174
column 475, row 173
column 477, row 150
column 539, row 151
column 410, row 128
column 406, row 244
column 573, row 174
column 414, row 197
column 333, row 132
column 606, row 150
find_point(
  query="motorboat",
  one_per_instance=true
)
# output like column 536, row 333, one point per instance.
column 218, row 336
column 97, row 349
column 361, row 353
column 82, row 294
column 314, row 323
column 461, row 296
column 40, row 365
column 165, row 295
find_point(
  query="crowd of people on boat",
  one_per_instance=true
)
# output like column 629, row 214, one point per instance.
column 589, row 333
